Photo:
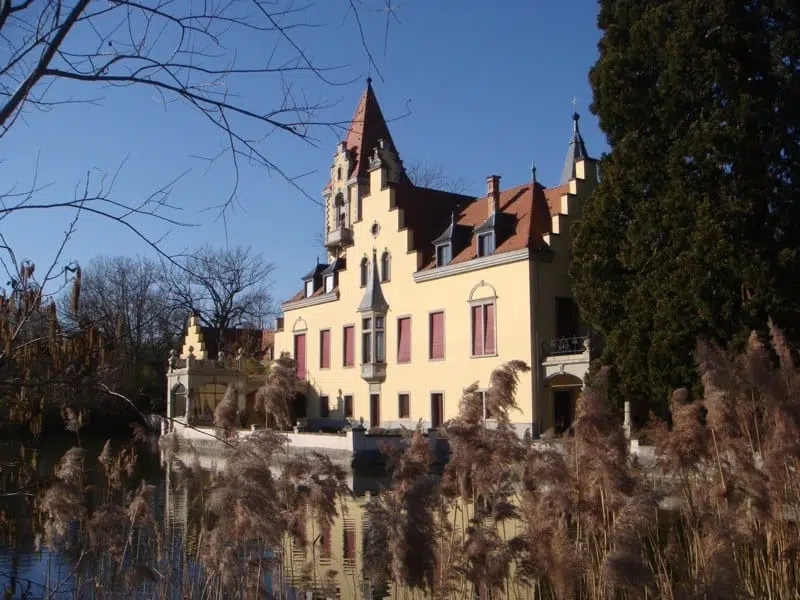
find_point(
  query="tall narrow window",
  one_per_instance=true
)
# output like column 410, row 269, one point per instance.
column 329, row 281
column 374, row 410
column 325, row 349
column 324, row 407
column 404, row 339
column 300, row 354
column 338, row 203
column 380, row 340
column 437, row 410
column 386, row 266
column 349, row 545
column 403, row 406
column 443, row 254
column 485, row 243
column 309, row 288
column 364, row 269
column 366, row 340
column 349, row 346
column 483, row 330
column 566, row 318
column 348, row 406
column 325, row 538
column 436, row 342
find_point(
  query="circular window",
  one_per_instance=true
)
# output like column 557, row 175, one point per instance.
column 375, row 229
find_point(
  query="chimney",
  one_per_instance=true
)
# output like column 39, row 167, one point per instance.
column 493, row 193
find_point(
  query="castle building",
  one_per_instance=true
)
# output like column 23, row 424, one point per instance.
column 425, row 292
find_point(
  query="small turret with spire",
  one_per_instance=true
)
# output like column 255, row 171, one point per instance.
column 576, row 152
column 373, row 299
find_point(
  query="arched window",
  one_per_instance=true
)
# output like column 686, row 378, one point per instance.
column 339, row 216
column 386, row 266
column 364, row 267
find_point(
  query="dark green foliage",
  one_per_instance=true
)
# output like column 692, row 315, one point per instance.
column 693, row 229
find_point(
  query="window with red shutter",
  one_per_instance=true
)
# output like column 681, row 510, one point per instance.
column 489, row 329
column 436, row 347
column 349, row 346
column 483, row 330
column 404, row 339
column 349, row 544
column 325, row 349
column 477, row 330
column 300, row 354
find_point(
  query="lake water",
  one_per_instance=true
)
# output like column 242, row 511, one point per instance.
column 29, row 570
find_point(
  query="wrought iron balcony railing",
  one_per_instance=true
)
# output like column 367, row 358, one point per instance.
column 566, row 345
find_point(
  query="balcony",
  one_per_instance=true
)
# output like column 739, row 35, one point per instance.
column 566, row 345
column 373, row 372
column 341, row 236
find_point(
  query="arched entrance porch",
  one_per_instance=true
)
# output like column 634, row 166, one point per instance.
column 562, row 392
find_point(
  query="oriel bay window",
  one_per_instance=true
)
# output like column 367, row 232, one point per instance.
column 373, row 339
column 366, row 340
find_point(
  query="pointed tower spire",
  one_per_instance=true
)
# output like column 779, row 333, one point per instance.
column 373, row 296
column 366, row 129
column 575, row 152
column 533, row 173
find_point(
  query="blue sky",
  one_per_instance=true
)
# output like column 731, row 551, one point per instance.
column 473, row 89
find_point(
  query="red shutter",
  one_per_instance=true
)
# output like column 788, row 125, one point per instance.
column 489, row 346
column 404, row 339
column 477, row 330
column 300, row 354
column 437, row 335
column 349, row 346
column 325, row 349
column 349, row 545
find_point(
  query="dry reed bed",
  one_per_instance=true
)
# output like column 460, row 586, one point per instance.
column 506, row 519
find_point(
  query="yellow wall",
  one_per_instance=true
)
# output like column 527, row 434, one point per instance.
column 421, row 376
column 194, row 339
column 513, row 284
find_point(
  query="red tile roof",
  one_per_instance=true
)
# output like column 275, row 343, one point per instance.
column 367, row 127
column 427, row 214
column 531, row 220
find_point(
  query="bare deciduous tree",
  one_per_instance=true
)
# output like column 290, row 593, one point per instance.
column 431, row 175
column 227, row 287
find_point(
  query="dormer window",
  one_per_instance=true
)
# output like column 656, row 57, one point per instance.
column 363, row 271
column 443, row 254
column 313, row 280
column 330, row 275
column 485, row 243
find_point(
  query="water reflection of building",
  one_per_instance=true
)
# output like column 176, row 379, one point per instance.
column 338, row 547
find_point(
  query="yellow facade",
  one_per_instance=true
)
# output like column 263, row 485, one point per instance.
column 523, row 283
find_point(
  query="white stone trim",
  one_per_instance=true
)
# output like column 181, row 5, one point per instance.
column 474, row 264
column 313, row 301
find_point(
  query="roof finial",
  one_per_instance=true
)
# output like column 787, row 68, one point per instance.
column 369, row 81
column 575, row 115
column 533, row 171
